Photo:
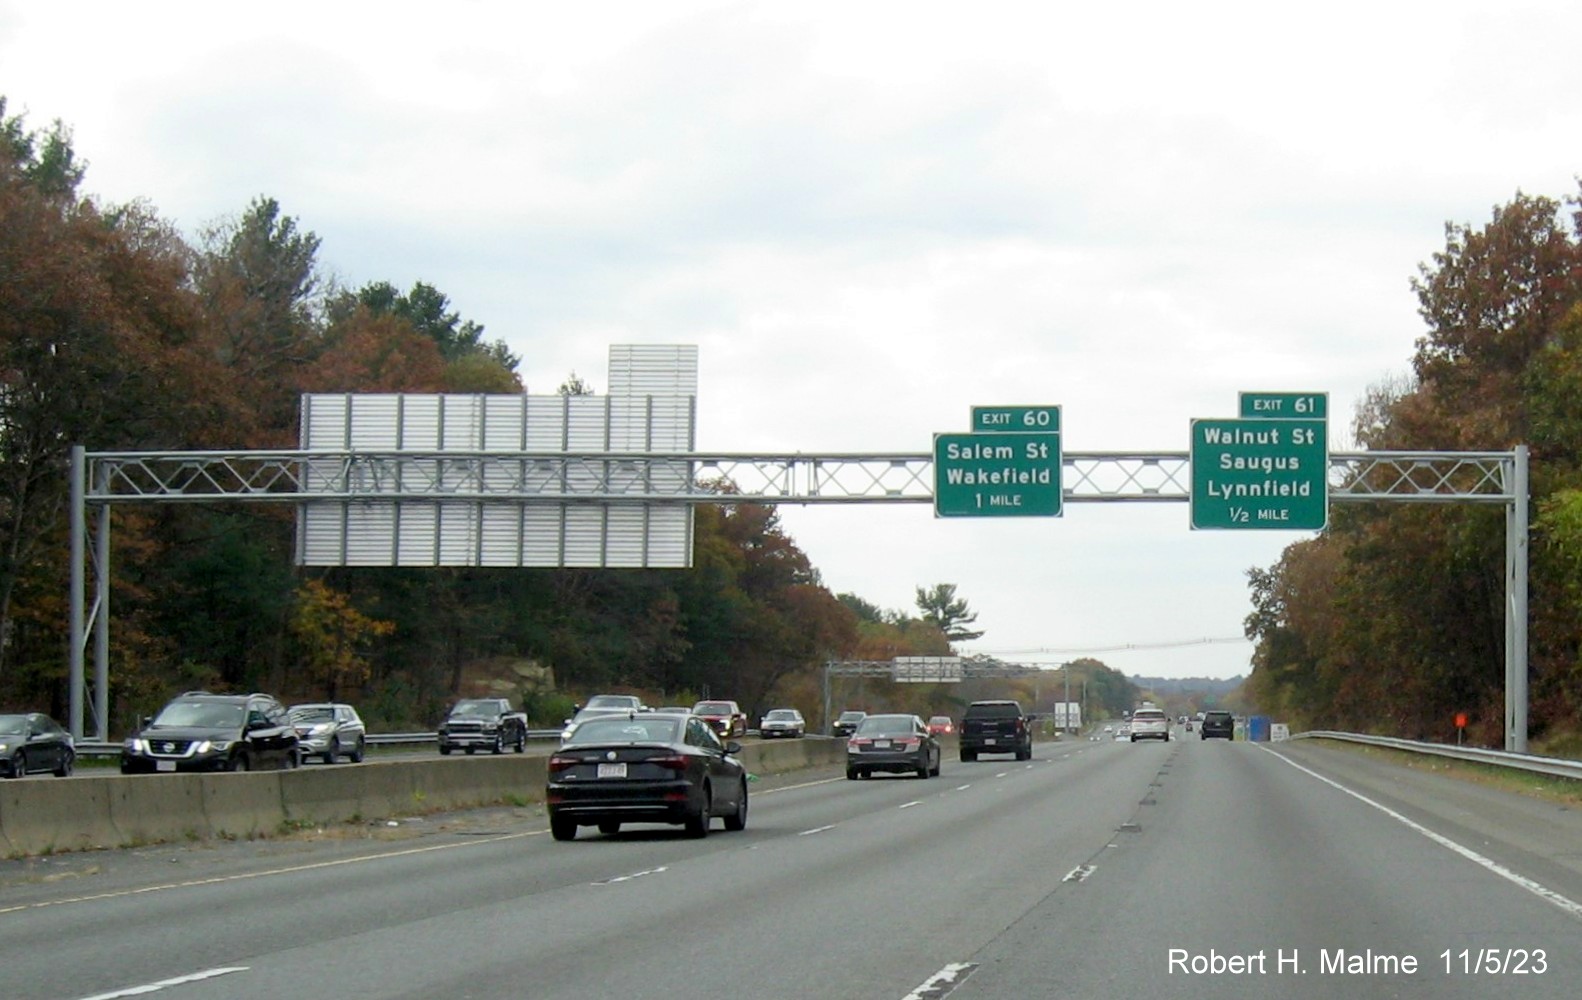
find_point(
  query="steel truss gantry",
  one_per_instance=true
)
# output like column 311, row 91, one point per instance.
column 101, row 480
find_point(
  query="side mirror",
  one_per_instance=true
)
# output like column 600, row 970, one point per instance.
column 733, row 747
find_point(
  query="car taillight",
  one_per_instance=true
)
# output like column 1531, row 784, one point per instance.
column 910, row 744
column 558, row 764
column 675, row 762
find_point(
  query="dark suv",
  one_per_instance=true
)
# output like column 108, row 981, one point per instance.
column 198, row 731
column 1217, row 725
column 995, row 727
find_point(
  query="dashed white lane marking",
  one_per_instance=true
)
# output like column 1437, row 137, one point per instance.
column 1543, row 892
column 617, row 880
column 908, row 805
column 963, row 788
column 941, row 983
column 137, row 991
column 816, row 829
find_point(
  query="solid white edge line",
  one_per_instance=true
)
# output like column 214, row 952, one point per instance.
column 175, row 981
column 1543, row 892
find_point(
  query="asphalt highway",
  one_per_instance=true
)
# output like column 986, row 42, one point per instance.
column 1097, row 869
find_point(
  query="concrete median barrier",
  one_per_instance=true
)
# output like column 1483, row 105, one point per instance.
column 248, row 804
column 155, row 808
column 387, row 788
column 774, row 757
column 777, row 756
column 323, row 795
column 41, row 816
column 463, row 784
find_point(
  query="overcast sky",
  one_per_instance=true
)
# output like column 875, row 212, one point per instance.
column 871, row 217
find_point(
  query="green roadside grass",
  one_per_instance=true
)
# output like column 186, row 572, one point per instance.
column 1565, row 791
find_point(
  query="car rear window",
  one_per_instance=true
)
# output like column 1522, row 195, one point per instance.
column 1008, row 710
column 1144, row 715
column 877, row 725
column 616, row 729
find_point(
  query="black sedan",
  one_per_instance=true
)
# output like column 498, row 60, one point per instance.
column 34, row 743
column 894, row 743
column 847, row 723
column 645, row 768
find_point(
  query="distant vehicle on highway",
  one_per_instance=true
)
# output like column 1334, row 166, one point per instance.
column 34, row 743
column 199, row 731
column 782, row 722
column 892, row 743
column 1217, row 726
column 847, row 722
column 941, row 725
column 328, row 730
column 616, row 702
column 995, row 727
column 645, row 768
column 1150, row 723
column 475, row 724
column 727, row 717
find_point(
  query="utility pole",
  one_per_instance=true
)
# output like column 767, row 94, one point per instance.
column 1065, row 668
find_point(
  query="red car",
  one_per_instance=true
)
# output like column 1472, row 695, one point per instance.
column 940, row 725
column 725, row 717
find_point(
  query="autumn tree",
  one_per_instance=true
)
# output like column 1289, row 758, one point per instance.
column 470, row 363
column 1394, row 619
column 333, row 637
column 947, row 612
column 259, row 281
column 364, row 351
column 93, row 320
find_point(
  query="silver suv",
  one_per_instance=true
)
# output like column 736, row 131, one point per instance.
column 1150, row 723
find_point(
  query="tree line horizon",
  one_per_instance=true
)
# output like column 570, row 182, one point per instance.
column 120, row 333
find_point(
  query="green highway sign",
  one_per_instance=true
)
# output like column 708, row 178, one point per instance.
column 1285, row 405
column 1016, row 419
column 1260, row 473
column 997, row 475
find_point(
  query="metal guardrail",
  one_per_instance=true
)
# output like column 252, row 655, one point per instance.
column 1556, row 766
column 96, row 748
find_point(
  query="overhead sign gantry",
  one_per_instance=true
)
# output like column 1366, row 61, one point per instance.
column 608, row 495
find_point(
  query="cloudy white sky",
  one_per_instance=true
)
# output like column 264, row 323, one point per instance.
column 871, row 217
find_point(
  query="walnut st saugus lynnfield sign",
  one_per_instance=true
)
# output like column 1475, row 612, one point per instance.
column 1009, row 466
column 1267, row 470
